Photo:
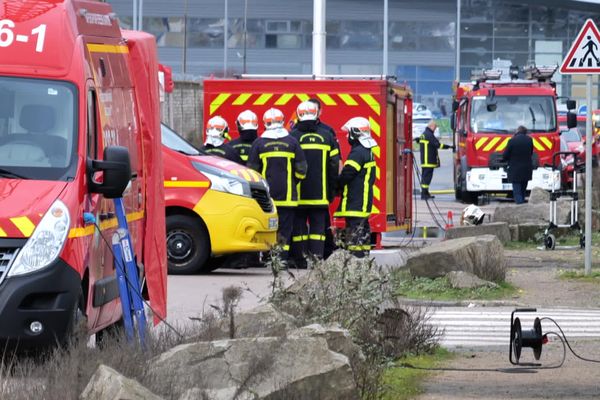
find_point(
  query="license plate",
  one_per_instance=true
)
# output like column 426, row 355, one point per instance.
column 273, row 222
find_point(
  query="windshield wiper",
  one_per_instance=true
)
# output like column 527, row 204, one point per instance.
column 494, row 130
column 9, row 174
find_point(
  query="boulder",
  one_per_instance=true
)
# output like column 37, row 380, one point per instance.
column 498, row 229
column 264, row 320
column 108, row 384
column 539, row 196
column 482, row 256
column 466, row 280
column 268, row 367
column 516, row 214
column 338, row 339
column 230, row 393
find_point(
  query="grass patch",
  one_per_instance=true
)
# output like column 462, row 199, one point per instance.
column 440, row 289
column 401, row 383
column 512, row 245
column 579, row 275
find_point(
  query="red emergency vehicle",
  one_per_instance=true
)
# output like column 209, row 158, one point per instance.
column 487, row 113
column 386, row 104
column 74, row 99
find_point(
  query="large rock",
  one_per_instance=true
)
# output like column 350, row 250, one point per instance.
column 108, row 384
column 338, row 339
column 268, row 367
column 466, row 280
column 482, row 256
column 539, row 196
column 515, row 214
column 498, row 229
column 264, row 320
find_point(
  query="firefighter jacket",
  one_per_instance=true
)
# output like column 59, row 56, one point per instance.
column 225, row 150
column 280, row 160
column 322, row 154
column 243, row 144
column 356, row 182
column 429, row 146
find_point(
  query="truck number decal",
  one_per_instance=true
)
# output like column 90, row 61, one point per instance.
column 7, row 36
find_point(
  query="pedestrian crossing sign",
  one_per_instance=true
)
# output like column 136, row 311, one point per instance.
column 584, row 55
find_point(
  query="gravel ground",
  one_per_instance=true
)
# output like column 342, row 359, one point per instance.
column 535, row 272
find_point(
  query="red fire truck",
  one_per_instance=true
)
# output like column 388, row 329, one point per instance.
column 487, row 113
column 386, row 104
column 74, row 92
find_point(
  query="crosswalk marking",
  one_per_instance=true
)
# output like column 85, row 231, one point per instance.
column 466, row 327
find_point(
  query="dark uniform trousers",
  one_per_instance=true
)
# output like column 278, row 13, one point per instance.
column 358, row 236
column 286, row 225
column 309, row 239
column 426, row 177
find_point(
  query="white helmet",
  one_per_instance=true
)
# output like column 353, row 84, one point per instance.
column 307, row 111
column 216, row 131
column 247, row 120
column 472, row 215
column 273, row 118
column 360, row 129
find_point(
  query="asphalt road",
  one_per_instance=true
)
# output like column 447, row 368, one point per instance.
column 189, row 295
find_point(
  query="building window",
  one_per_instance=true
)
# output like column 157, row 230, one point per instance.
column 285, row 34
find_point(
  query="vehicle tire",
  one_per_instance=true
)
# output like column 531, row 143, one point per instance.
column 549, row 242
column 595, row 161
column 114, row 331
column 469, row 197
column 188, row 245
column 77, row 329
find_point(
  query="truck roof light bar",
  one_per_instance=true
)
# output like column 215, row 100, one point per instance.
column 542, row 73
column 482, row 75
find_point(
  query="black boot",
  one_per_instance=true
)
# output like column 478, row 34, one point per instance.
column 425, row 195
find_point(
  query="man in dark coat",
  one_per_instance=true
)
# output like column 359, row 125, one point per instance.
column 518, row 154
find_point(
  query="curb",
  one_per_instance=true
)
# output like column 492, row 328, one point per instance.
column 460, row 303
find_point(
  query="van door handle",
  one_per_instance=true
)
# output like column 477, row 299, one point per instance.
column 105, row 216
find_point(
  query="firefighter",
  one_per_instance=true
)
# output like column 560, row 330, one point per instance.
column 356, row 183
column 430, row 160
column 329, row 242
column 216, row 133
column 315, row 192
column 247, row 125
column 519, row 154
column 279, row 158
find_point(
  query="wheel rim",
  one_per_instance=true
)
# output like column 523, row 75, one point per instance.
column 180, row 246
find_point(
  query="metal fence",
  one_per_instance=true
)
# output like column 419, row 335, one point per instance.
column 182, row 110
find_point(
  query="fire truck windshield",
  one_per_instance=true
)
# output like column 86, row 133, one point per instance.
column 536, row 113
column 38, row 128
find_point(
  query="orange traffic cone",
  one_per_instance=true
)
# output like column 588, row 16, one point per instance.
column 449, row 222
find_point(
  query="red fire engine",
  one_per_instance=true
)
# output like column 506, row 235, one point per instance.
column 487, row 113
column 386, row 104
column 74, row 88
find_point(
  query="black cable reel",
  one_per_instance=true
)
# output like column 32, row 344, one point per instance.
column 520, row 338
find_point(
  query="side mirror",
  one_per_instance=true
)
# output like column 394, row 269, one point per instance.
column 571, row 120
column 455, row 105
column 571, row 104
column 116, row 172
column 453, row 122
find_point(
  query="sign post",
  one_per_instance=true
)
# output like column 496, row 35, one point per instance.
column 584, row 58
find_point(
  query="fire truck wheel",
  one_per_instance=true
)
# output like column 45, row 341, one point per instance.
column 469, row 197
column 188, row 245
column 114, row 331
column 595, row 161
column 77, row 329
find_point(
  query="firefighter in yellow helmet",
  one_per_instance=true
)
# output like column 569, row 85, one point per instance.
column 216, row 133
column 356, row 182
column 280, row 160
column 315, row 192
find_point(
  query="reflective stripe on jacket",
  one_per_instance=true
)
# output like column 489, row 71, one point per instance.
column 357, row 180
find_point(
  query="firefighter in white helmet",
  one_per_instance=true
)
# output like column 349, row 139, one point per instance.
column 216, row 134
column 322, row 156
column 247, row 125
column 279, row 158
column 356, row 183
